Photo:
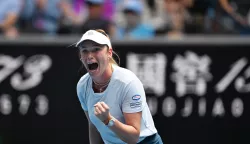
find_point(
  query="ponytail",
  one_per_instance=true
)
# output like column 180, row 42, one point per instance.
column 112, row 60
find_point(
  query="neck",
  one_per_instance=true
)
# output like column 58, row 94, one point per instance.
column 105, row 77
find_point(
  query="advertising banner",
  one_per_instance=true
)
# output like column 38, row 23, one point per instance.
column 196, row 93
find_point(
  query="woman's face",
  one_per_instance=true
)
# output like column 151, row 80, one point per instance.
column 95, row 58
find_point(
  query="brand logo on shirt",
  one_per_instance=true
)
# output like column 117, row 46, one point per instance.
column 136, row 97
column 135, row 104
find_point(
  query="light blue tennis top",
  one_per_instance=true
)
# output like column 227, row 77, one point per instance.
column 124, row 94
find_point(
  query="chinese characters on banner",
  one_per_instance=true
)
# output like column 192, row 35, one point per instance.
column 151, row 70
column 190, row 73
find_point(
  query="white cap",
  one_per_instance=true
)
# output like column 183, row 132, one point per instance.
column 96, row 37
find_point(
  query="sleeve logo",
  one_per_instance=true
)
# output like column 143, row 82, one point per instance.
column 136, row 97
column 135, row 104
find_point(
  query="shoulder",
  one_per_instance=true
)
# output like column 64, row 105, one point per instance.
column 124, row 75
column 83, row 80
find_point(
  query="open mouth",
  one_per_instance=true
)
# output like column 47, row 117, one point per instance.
column 93, row 66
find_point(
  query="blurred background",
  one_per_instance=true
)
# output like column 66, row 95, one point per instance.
column 192, row 57
column 125, row 19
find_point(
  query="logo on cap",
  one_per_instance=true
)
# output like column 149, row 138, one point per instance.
column 90, row 33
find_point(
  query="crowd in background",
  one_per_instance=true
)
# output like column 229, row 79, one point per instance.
column 125, row 19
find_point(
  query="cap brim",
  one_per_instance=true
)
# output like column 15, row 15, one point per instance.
column 95, row 37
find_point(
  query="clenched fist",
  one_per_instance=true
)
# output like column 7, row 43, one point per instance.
column 102, row 112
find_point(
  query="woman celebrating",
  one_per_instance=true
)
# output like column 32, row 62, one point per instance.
column 112, row 97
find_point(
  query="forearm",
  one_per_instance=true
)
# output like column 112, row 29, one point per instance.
column 94, row 135
column 67, row 11
column 226, row 6
column 9, row 21
column 126, row 133
column 234, row 14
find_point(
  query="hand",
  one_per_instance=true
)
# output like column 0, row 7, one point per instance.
column 102, row 111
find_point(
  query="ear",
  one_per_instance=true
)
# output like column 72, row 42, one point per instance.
column 110, row 52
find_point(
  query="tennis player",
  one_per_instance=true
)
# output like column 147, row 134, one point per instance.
column 112, row 97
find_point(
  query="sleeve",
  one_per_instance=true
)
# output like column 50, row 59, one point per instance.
column 134, row 99
column 81, row 97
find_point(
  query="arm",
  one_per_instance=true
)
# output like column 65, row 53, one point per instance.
column 133, row 103
column 128, row 132
column 229, row 9
column 9, row 22
column 94, row 135
column 226, row 6
column 69, row 13
column 11, row 16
